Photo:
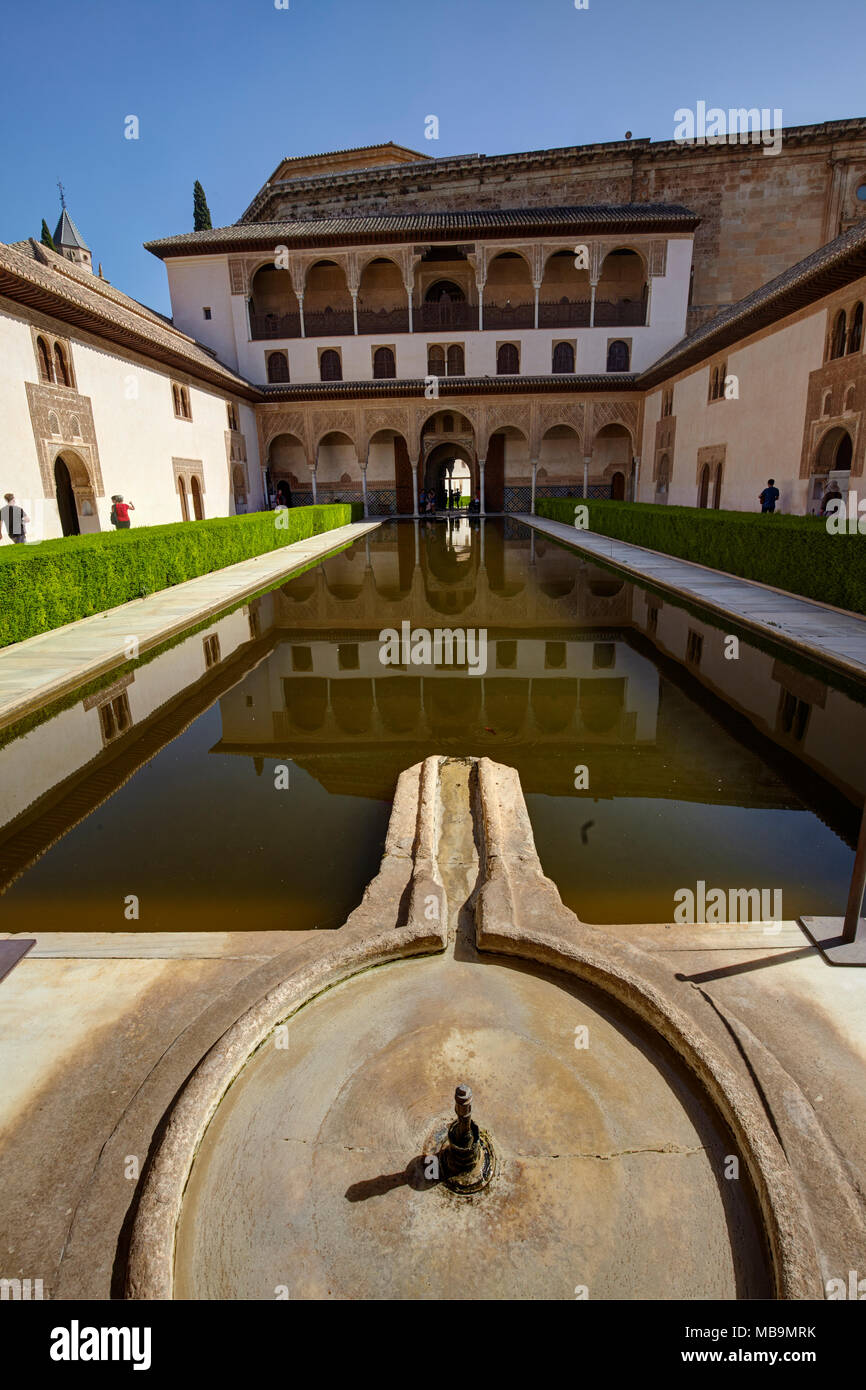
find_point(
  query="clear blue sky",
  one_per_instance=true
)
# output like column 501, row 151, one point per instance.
column 223, row 89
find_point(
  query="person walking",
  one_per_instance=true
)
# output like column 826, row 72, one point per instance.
column 769, row 497
column 15, row 519
column 831, row 495
column 120, row 513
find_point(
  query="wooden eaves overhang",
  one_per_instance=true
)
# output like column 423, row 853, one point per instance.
column 833, row 266
column 117, row 325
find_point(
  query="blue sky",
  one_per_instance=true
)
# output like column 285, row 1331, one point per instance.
column 223, row 89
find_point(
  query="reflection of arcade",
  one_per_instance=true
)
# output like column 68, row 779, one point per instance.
column 562, row 674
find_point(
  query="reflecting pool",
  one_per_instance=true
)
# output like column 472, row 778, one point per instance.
column 241, row 777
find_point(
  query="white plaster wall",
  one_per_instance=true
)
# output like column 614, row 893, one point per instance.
column 19, row 470
column 194, row 283
column 137, row 434
column 762, row 428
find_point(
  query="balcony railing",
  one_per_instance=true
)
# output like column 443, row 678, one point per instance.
column 328, row 323
column 570, row 313
column 630, row 314
column 383, row 320
column 452, row 313
column 509, row 316
column 275, row 326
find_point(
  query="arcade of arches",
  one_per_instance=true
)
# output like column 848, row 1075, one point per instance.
column 386, row 456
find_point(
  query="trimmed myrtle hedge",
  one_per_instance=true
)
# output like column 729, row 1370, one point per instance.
column 56, row 582
column 795, row 553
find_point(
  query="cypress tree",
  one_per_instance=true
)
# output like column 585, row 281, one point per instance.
column 200, row 211
column 46, row 238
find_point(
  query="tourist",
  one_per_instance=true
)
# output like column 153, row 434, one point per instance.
column 120, row 513
column 284, row 494
column 475, row 505
column 15, row 519
column 769, row 497
column 422, row 500
column 831, row 495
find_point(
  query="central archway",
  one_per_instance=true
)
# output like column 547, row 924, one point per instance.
column 447, row 465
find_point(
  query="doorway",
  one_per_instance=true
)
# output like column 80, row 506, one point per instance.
column 65, row 499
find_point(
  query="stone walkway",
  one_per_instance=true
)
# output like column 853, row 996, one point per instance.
column 816, row 629
column 44, row 667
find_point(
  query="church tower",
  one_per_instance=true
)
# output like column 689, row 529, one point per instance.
column 70, row 243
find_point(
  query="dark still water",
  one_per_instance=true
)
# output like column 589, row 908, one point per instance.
column 242, row 777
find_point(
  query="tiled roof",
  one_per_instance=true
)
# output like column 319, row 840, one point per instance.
column 453, row 386
column 44, row 280
column 435, row 226
column 829, row 268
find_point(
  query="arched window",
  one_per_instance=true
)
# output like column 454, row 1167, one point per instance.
column 563, row 359
column 664, row 477
column 442, row 291
column 184, row 506
column 507, row 360
column 849, row 398
column 175, row 395
column 60, row 367
column 330, row 366
column 828, row 402
column 384, row 364
column 456, row 360
column 435, row 360
column 855, row 337
column 45, row 372
column 617, row 357
column 185, row 410
column 704, row 486
column 197, row 502
column 837, row 343
column 278, row 366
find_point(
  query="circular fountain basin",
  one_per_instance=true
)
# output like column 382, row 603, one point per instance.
column 313, row 1178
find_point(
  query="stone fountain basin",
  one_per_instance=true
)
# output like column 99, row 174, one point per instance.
column 309, row 1181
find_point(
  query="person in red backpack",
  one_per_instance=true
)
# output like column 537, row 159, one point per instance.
column 120, row 513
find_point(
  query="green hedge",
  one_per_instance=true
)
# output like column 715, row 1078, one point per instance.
column 795, row 553
column 56, row 582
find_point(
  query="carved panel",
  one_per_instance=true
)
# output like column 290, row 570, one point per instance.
column 62, row 422
column 712, row 454
column 188, row 468
column 665, row 439
column 658, row 257
column 237, row 275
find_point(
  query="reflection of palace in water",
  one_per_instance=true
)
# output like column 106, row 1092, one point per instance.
column 569, row 672
column 582, row 668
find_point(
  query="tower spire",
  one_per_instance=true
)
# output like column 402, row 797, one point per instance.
column 62, row 196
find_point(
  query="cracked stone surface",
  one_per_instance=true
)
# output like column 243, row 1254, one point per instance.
column 609, row 1165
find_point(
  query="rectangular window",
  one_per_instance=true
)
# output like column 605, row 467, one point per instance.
column 793, row 716
column 347, row 656
column 506, row 656
column 554, row 656
column 694, row 648
column 212, row 650
column 603, row 656
column 302, row 658
column 206, row 313
column 652, row 619
column 115, row 717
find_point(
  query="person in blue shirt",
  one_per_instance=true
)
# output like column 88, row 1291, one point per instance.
column 769, row 497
